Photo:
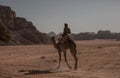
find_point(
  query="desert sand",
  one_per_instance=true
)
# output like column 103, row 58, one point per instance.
column 96, row 59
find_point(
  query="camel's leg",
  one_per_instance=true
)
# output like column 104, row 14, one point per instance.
column 76, row 60
column 66, row 59
column 72, row 46
column 75, row 49
column 73, row 52
column 59, row 52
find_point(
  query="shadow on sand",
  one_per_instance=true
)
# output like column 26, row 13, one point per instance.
column 29, row 72
column 50, row 71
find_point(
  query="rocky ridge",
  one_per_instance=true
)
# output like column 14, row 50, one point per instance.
column 22, row 32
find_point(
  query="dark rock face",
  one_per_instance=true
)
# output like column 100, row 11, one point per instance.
column 7, row 16
column 4, row 33
column 22, row 23
column 23, row 32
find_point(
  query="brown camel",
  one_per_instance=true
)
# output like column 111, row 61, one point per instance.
column 62, row 47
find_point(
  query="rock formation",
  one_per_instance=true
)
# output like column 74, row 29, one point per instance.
column 21, row 30
column 50, row 34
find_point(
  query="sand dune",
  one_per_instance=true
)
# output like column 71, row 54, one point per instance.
column 96, row 59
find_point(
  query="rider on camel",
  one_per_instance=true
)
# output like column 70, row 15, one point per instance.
column 66, row 34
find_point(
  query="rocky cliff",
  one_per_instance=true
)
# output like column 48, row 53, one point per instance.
column 21, row 30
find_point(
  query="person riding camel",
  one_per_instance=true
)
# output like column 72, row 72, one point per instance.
column 67, row 30
column 65, row 35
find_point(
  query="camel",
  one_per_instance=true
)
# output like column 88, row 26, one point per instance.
column 63, row 47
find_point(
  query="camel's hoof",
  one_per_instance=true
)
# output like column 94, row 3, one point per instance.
column 70, row 67
column 75, row 68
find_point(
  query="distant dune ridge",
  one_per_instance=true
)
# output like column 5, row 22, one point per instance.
column 101, row 34
column 22, row 32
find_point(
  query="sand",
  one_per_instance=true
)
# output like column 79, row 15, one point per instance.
column 96, row 59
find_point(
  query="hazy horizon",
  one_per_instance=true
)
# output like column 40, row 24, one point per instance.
column 81, row 15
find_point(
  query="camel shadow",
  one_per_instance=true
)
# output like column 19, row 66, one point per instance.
column 50, row 71
column 29, row 72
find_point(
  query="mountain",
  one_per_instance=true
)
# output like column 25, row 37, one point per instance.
column 101, row 34
column 50, row 34
column 21, row 31
column 84, row 36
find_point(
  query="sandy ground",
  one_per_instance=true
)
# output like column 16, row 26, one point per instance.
column 96, row 59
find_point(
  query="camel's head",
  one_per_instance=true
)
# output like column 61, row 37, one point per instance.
column 53, row 39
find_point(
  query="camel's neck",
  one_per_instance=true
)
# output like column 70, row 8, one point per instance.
column 54, row 43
